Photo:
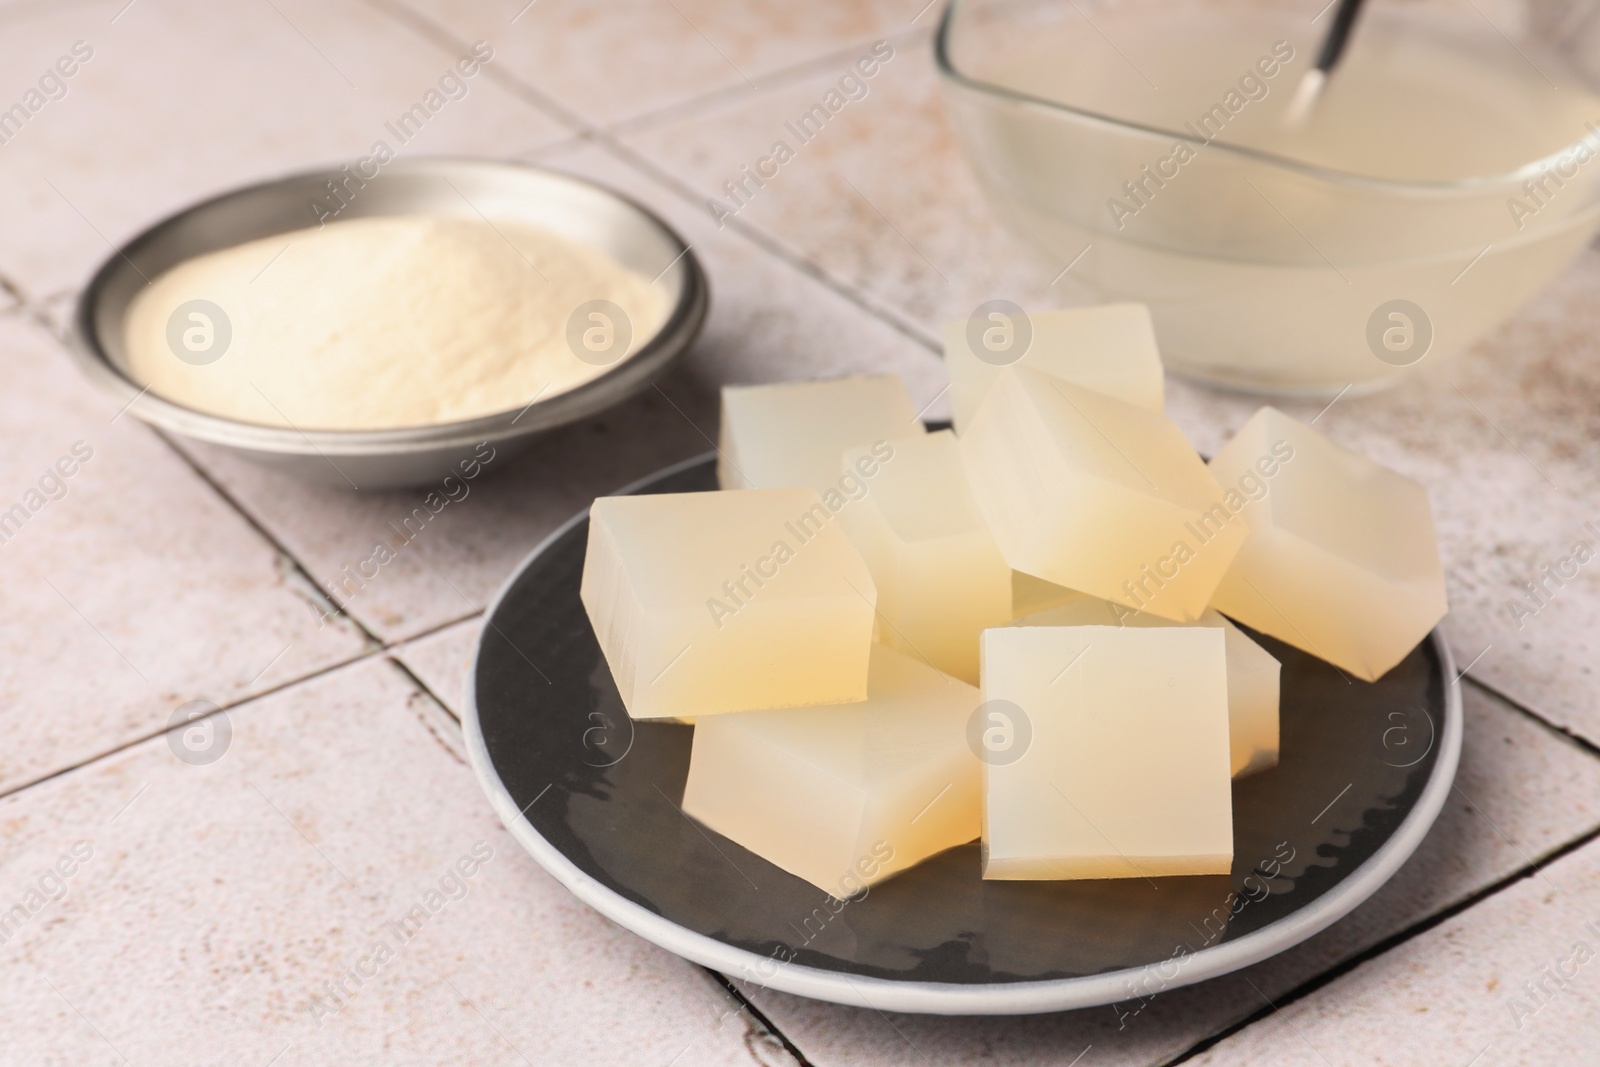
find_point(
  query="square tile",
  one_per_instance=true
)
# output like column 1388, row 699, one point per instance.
column 638, row 56
column 332, row 889
column 879, row 197
column 1517, row 779
column 182, row 99
column 131, row 586
column 1509, row 981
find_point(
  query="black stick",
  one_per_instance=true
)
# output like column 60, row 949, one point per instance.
column 1333, row 45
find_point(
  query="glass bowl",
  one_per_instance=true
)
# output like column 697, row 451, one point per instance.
column 1119, row 137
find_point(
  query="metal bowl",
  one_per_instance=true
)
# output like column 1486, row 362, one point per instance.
column 377, row 459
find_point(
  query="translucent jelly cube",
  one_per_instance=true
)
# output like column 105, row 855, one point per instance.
column 1085, row 491
column 1110, row 349
column 1252, row 674
column 941, row 580
column 845, row 796
column 1341, row 560
column 1118, row 765
column 714, row 602
column 1030, row 594
column 793, row 433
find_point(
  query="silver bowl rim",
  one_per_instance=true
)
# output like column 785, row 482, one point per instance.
column 630, row 374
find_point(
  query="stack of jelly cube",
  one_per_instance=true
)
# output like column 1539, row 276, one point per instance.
column 891, row 642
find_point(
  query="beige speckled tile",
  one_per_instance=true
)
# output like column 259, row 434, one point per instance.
column 768, row 321
column 219, row 900
column 1521, row 442
column 880, row 197
column 441, row 660
column 182, row 99
column 461, row 556
column 133, row 591
column 1510, row 982
column 1516, row 778
column 638, row 56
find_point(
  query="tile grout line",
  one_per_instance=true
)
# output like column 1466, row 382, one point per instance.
column 251, row 698
column 425, row 27
column 20, row 301
column 35, row 306
column 375, row 645
column 1572, row 737
column 423, row 687
column 778, row 78
column 431, row 631
column 24, row 306
column 266, row 535
column 1383, row 946
column 440, row 707
column 757, row 1014
column 1315, row 982
column 775, row 248
column 603, row 137
column 382, row 647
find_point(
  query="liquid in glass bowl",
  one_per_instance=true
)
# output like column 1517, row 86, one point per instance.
column 1447, row 173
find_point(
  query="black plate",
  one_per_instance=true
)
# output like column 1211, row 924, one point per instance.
column 594, row 797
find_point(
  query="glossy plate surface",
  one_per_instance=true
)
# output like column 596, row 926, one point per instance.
column 594, row 797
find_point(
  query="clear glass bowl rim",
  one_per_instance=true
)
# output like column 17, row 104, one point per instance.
column 1468, row 186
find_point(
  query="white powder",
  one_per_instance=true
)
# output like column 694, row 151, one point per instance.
column 381, row 323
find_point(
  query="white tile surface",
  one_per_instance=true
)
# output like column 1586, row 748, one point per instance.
column 135, row 591
column 183, row 99
column 225, row 897
column 639, row 56
column 880, row 198
column 1510, row 982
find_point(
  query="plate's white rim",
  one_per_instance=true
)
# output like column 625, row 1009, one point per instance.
column 945, row 998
